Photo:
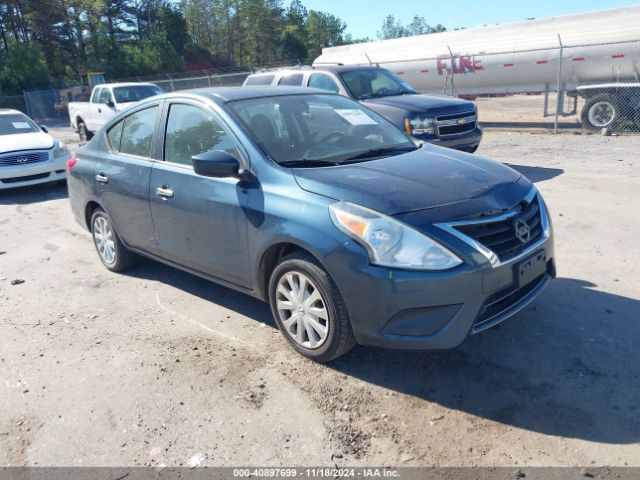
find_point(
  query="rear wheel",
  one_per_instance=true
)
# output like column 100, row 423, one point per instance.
column 309, row 309
column 84, row 134
column 113, row 254
column 600, row 111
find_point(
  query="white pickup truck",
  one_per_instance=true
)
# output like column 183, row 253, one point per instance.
column 106, row 100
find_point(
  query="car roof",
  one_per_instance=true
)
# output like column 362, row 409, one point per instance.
column 230, row 94
column 318, row 68
column 7, row 111
column 125, row 84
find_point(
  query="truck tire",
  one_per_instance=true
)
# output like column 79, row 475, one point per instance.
column 601, row 111
column 84, row 134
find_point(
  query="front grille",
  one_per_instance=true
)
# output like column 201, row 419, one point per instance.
column 456, row 123
column 501, row 301
column 23, row 158
column 26, row 178
column 501, row 236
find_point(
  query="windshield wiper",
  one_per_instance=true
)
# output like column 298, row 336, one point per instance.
column 307, row 163
column 378, row 152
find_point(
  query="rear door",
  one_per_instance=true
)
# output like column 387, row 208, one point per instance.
column 199, row 221
column 122, row 176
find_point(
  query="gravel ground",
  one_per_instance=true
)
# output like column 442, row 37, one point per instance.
column 159, row 367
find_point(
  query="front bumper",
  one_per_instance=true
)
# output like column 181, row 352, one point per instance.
column 416, row 310
column 50, row 170
column 467, row 141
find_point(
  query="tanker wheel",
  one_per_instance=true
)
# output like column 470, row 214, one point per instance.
column 600, row 111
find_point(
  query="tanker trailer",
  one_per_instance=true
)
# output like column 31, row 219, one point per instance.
column 594, row 55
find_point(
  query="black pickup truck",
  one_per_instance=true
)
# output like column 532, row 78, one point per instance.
column 441, row 120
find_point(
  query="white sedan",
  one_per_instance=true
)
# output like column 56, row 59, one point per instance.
column 28, row 154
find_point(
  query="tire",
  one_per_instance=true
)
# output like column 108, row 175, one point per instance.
column 601, row 111
column 473, row 149
column 84, row 134
column 339, row 338
column 112, row 252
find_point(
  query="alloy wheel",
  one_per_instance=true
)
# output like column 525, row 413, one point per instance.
column 104, row 239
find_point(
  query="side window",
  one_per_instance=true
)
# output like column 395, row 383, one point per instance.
column 114, row 134
column 137, row 132
column 105, row 96
column 192, row 130
column 95, row 98
column 323, row 82
column 293, row 80
column 259, row 80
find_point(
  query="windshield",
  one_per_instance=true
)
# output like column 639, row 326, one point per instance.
column 372, row 83
column 14, row 123
column 135, row 93
column 317, row 130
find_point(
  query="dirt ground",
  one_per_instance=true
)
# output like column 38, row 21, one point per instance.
column 157, row 367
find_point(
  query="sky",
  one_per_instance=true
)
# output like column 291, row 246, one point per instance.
column 364, row 17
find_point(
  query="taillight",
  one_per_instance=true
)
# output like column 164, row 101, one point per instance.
column 71, row 162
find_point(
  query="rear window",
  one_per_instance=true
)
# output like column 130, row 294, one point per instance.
column 259, row 80
column 135, row 93
column 292, row 80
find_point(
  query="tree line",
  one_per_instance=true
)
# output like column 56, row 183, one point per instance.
column 49, row 43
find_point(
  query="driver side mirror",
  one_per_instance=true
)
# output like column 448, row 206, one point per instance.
column 215, row 163
column 44, row 129
column 110, row 104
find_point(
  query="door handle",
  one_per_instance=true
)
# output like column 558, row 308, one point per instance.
column 165, row 192
column 102, row 178
column 99, row 110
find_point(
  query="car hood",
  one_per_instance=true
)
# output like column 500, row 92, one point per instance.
column 25, row 141
column 423, row 102
column 425, row 178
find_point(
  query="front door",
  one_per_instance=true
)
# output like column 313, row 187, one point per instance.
column 199, row 221
column 101, row 112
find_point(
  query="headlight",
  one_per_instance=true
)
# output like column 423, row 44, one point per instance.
column 419, row 125
column 391, row 243
column 60, row 150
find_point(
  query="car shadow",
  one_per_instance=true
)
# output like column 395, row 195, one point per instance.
column 33, row 194
column 206, row 290
column 566, row 366
column 536, row 174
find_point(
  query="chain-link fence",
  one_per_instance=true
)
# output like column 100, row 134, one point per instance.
column 586, row 86
column 50, row 107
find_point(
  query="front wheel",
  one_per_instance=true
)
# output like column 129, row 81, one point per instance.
column 309, row 309
column 113, row 254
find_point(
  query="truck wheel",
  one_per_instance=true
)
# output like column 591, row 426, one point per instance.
column 600, row 111
column 309, row 309
column 84, row 134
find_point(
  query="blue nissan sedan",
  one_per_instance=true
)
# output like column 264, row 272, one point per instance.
column 353, row 231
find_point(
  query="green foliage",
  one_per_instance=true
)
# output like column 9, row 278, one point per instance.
column 393, row 28
column 23, row 68
column 51, row 42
